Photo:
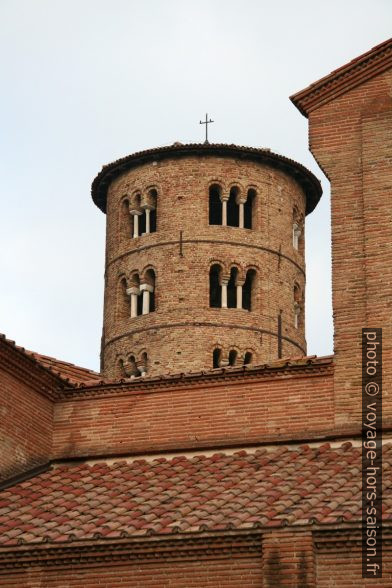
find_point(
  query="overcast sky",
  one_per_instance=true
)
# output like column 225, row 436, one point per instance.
column 85, row 82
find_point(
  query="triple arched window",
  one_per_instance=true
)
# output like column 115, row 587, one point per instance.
column 232, row 209
column 133, row 366
column 139, row 213
column 233, row 358
column 231, row 291
column 137, row 294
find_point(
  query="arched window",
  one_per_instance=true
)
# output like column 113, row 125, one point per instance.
column 247, row 358
column 215, row 288
column 232, row 357
column 248, row 208
column 297, row 294
column 297, row 228
column 134, row 292
column 126, row 222
column 122, row 300
column 148, row 292
column 247, row 289
column 232, row 289
column 153, row 197
column 216, row 358
column 233, row 208
column 215, row 205
column 143, row 364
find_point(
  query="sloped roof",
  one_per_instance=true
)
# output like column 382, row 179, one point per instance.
column 346, row 77
column 267, row 487
column 310, row 184
column 68, row 373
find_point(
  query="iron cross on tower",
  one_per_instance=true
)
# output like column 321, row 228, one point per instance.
column 206, row 122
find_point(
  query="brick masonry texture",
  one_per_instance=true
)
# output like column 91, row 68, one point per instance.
column 351, row 139
column 220, row 412
column 183, row 331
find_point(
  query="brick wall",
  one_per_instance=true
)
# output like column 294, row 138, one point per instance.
column 215, row 573
column 181, row 334
column 205, row 414
column 343, row 569
column 25, row 425
column 350, row 137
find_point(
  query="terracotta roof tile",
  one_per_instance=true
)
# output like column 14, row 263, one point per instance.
column 278, row 486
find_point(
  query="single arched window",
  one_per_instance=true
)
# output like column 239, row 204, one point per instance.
column 149, row 207
column 297, row 294
column 233, row 215
column 247, row 358
column 215, row 288
column 143, row 364
column 297, row 228
column 247, row 289
column 126, row 221
column 215, row 205
column 248, row 208
column 122, row 300
column 232, row 357
column 148, row 292
column 216, row 358
column 232, row 289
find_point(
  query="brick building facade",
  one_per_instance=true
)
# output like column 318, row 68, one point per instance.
column 211, row 450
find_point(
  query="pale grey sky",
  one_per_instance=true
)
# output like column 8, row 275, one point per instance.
column 85, row 82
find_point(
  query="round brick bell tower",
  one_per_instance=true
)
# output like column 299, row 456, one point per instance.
column 204, row 258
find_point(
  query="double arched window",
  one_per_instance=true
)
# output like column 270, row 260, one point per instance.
column 229, row 291
column 231, row 209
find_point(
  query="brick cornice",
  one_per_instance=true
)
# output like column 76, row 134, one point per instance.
column 311, row 367
column 135, row 550
column 309, row 183
column 347, row 77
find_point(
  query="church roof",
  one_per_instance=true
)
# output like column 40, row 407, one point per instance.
column 244, row 490
column 343, row 79
column 310, row 184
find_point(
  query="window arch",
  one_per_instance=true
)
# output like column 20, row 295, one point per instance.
column 126, row 220
column 149, row 208
column 215, row 205
column 215, row 287
column 297, row 295
column 233, row 215
column 216, row 358
column 247, row 289
column 248, row 208
column 248, row 357
column 147, row 289
column 297, row 228
column 122, row 299
column 232, row 357
column 232, row 289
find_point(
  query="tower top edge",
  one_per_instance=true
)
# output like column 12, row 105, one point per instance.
column 306, row 179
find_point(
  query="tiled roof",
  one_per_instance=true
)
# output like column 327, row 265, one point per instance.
column 68, row 372
column 242, row 490
column 302, row 175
